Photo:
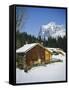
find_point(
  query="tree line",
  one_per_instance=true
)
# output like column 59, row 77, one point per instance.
column 23, row 37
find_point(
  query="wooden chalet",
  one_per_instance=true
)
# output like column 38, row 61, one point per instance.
column 34, row 54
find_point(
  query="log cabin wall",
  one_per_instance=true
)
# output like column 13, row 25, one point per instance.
column 48, row 56
column 35, row 56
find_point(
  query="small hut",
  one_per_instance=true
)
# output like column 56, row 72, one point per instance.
column 33, row 54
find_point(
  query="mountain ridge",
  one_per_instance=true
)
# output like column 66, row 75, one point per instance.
column 51, row 30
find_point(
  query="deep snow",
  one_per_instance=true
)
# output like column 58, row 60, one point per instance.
column 50, row 72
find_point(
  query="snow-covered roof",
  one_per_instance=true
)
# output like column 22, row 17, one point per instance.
column 26, row 48
column 52, row 49
column 56, row 50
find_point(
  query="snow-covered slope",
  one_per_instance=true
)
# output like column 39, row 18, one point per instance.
column 52, row 30
column 50, row 72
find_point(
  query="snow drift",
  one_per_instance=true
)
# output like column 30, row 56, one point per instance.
column 50, row 72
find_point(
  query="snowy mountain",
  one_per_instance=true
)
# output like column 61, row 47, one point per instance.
column 52, row 30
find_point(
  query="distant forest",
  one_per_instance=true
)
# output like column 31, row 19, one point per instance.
column 23, row 38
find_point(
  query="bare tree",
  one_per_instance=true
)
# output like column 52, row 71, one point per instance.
column 20, row 18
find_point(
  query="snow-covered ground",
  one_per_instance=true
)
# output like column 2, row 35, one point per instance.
column 58, row 57
column 50, row 72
